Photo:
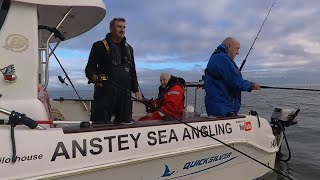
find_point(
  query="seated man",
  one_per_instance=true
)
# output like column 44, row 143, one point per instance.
column 170, row 99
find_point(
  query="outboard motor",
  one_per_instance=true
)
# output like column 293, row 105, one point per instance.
column 283, row 118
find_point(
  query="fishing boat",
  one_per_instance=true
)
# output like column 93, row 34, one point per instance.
column 43, row 138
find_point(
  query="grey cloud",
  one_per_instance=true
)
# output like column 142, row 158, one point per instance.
column 197, row 66
column 293, row 50
column 189, row 31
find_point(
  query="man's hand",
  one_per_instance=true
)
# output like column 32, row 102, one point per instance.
column 138, row 95
column 256, row 86
column 96, row 81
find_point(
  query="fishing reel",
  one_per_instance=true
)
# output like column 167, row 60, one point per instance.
column 150, row 107
column 286, row 117
column 62, row 80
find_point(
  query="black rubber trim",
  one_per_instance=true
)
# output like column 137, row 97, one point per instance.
column 4, row 11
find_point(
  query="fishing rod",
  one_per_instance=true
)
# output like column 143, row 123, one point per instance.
column 84, row 104
column 288, row 88
column 245, row 59
column 117, row 85
column 6, row 122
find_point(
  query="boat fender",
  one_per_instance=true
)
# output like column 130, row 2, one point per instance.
column 188, row 111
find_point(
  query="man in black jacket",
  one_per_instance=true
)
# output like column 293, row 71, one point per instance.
column 111, row 68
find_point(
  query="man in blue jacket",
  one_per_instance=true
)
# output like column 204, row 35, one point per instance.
column 224, row 82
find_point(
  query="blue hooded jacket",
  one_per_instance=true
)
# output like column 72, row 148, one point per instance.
column 223, row 84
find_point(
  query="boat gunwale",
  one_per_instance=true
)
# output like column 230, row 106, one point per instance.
column 140, row 124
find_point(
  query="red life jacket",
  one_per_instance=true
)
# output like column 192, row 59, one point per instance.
column 173, row 101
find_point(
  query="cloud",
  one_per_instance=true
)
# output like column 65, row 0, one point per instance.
column 179, row 36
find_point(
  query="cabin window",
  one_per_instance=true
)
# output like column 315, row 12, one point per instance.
column 4, row 8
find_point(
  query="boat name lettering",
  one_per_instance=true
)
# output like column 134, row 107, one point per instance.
column 217, row 129
column 168, row 136
column 122, row 142
column 207, row 160
column 161, row 137
column 6, row 160
column 96, row 145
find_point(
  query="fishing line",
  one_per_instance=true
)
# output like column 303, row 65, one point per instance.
column 181, row 121
column 196, row 129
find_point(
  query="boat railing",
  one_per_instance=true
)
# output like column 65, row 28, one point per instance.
column 44, row 53
column 196, row 86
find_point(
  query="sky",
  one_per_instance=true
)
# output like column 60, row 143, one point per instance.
column 179, row 36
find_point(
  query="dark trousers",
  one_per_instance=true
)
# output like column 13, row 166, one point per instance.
column 110, row 101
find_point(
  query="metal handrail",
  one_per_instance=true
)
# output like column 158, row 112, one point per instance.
column 46, row 82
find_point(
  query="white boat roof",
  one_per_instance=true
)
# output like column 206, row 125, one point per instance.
column 85, row 15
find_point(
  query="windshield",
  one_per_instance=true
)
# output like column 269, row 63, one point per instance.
column 4, row 8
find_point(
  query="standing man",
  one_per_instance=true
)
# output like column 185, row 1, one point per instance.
column 111, row 68
column 224, row 82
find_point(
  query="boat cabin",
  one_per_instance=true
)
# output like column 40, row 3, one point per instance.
column 27, row 30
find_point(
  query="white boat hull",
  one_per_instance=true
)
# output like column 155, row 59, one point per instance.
column 140, row 152
column 181, row 166
column 143, row 151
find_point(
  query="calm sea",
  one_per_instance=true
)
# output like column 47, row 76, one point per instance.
column 302, row 137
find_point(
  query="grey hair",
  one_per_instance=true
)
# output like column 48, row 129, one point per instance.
column 229, row 40
column 166, row 75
